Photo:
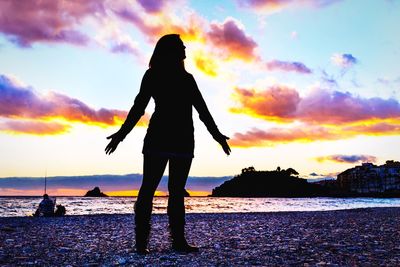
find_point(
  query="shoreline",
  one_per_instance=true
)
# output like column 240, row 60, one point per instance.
column 204, row 213
column 11, row 207
column 356, row 237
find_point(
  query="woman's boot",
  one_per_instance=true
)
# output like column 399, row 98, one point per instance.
column 142, row 239
column 179, row 243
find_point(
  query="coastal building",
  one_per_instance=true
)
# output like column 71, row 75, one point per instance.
column 370, row 178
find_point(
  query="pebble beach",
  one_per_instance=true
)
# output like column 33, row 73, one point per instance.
column 357, row 237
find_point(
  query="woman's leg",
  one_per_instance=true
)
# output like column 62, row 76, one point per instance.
column 153, row 169
column 178, row 173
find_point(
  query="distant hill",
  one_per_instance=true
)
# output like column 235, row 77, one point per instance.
column 108, row 183
column 277, row 183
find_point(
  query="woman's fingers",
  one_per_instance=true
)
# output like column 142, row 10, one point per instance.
column 226, row 147
column 227, row 150
column 111, row 150
column 108, row 149
column 111, row 147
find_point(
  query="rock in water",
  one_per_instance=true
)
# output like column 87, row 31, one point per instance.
column 95, row 193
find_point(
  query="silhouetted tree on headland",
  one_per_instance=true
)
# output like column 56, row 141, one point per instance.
column 291, row 171
column 277, row 183
column 249, row 169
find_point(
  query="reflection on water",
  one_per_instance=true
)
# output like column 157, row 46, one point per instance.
column 25, row 206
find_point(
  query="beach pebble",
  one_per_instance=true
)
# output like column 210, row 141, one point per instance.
column 217, row 246
column 63, row 249
column 7, row 229
column 121, row 261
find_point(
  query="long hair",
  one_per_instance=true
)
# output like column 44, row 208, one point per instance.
column 168, row 53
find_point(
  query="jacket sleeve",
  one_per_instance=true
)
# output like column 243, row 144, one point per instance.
column 139, row 106
column 204, row 113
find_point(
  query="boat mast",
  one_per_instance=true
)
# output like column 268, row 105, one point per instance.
column 45, row 182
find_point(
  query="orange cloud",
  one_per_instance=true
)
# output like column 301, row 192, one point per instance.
column 31, row 113
column 271, row 137
column 232, row 40
column 205, row 64
column 228, row 38
column 310, row 133
column 391, row 127
column 34, row 127
column 276, row 103
column 320, row 106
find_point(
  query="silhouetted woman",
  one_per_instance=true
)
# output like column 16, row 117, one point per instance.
column 169, row 137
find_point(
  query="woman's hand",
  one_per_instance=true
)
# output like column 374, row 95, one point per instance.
column 116, row 138
column 222, row 141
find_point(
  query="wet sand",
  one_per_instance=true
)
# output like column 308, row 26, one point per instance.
column 360, row 237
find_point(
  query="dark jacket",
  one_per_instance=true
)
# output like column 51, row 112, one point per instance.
column 171, row 125
column 46, row 207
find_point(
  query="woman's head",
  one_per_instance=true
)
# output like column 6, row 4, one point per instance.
column 169, row 51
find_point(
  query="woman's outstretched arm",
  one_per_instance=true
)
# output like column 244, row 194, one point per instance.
column 135, row 113
column 207, row 119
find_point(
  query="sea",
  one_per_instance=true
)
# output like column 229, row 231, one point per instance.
column 25, row 206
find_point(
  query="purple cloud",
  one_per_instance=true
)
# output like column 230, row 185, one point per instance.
column 230, row 36
column 288, row 66
column 25, row 111
column 344, row 60
column 28, row 22
column 320, row 106
column 273, row 5
column 152, row 6
column 347, row 158
column 125, row 47
column 329, row 80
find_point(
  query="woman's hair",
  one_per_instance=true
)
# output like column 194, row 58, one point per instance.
column 169, row 52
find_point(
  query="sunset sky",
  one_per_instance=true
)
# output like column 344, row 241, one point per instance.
column 310, row 84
